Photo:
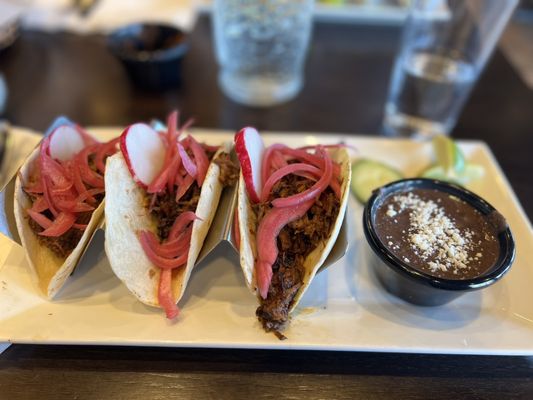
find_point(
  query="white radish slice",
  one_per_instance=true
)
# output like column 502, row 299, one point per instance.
column 250, row 148
column 144, row 152
column 65, row 142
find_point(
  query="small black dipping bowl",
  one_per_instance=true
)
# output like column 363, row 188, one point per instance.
column 9, row 33
column 413, row 285
column 151, row 53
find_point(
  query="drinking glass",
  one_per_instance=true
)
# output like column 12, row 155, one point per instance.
column 444, row 47
column 261, row 47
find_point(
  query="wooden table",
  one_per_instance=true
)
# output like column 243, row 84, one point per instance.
column 346, row 83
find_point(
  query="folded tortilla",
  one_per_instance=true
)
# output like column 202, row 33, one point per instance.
column 48, row 269
column 312, row 263
column 126, row 215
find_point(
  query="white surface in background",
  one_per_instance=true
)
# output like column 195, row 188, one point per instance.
column 10, row 10
column 57, row 15
column 60, row 15
column 344, row 308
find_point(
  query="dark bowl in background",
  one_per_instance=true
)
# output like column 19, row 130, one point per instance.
column 9, row 33
column 417, row 287
column 151, row 54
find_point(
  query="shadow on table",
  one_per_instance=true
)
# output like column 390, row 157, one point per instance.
column 374, row 298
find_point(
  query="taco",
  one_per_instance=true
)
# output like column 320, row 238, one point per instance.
column 163, row 191
column 291, row 204
column 59, row 193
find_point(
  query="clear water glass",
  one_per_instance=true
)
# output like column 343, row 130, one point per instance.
column 261, row 47
column 444, row 47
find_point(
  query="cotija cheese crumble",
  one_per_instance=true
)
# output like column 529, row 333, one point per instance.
column 437, row 233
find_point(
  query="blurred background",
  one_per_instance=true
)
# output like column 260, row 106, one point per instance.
column 48, row 29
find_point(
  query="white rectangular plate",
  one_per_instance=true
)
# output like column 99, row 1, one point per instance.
column 344, row 309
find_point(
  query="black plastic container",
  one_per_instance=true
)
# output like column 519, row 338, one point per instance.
column 417, row 287
column 151, row 54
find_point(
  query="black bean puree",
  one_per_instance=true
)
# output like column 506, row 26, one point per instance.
column 472, row 235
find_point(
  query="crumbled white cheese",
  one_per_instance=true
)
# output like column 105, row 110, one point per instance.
column 391, row 212
column 433, row 235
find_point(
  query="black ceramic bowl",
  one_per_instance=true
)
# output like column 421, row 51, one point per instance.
column 151, row 53
column 417, row 287
column 9, row 33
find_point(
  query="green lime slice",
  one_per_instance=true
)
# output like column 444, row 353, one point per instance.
column 368, row 175
column 449, row 155
column 470, row 172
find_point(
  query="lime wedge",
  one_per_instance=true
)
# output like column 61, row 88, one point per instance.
column 449, row 155
column 368, row 175
column 470, row 172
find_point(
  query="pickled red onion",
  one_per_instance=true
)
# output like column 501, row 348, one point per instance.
column 80, row 226
column 168, row 250
column 188, row 163
column 267, row 245
column 175, row 244
column 182, row 189
column 310, row 158
column 72, row 206
column 266, row 163
column 181, row 223
column 280, row 173
column 39, row 205
column 202, row 162
column 54, row 171
column 47, row 196
column 314, row 190
column 278, row 161
column 164, row 294
column 62, row 223
column 172, row 172
column 164, row 177
column 103, row 151
column 156, row 259
column 87, row 174
column 36, row 188
column 79, row 185
column 42, row 220
column 172, row 133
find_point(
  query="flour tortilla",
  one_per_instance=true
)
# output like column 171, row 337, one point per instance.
column 126, row 215
column 49, row 271
column 248, row 227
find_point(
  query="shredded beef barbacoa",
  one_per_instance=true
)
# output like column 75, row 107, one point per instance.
column 295, row 242
column 166, row 209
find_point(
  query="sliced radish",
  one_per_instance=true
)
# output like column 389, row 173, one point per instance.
column 65, row 142
column 250, row 148
column 144, row 151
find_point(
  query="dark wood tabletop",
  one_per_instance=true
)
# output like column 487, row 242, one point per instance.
column 346, row 83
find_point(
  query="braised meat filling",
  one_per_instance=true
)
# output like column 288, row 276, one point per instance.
column 165, row 209
column 63, row 245
column 229, row 171
column 295, row 242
